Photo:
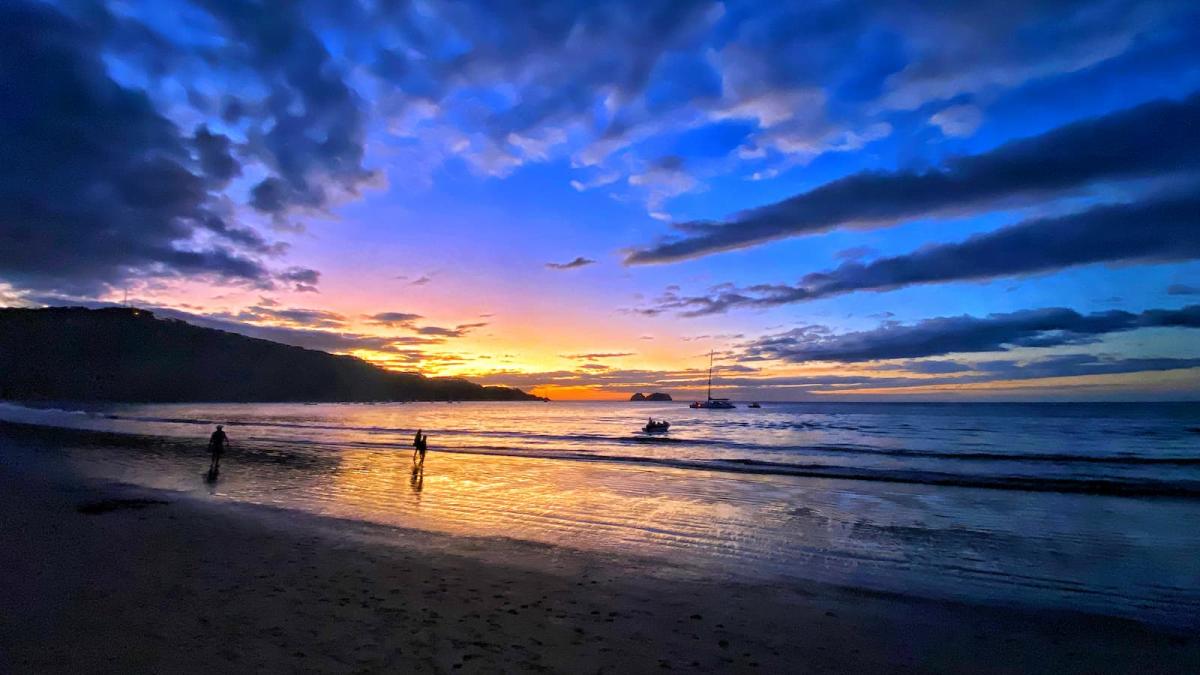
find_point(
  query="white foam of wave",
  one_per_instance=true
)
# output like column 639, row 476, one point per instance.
column 57, row 417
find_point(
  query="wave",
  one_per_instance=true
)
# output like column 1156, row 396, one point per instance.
column 1097, row 486
column 271, row 449
column 44, row 416
column 1055, row 458
column 640, row 438
column 634, row 437
column 1049, row 458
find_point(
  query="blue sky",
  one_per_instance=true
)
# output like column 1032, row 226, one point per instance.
column 728, row 175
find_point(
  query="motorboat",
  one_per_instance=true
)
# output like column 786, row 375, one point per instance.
column 711, row 403
column 754, row 405
column 656, row 426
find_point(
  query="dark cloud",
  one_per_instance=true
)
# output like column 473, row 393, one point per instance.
column 1073, row 365
column 597, row 355
column 407, row 320
column 1183, row 289
column 232, row 110
column 578, row 262
column 243, row 237
column 394, row 318
column 1059, row 365
column 1161, row 230
column 416, row 340
column 311, row 126
column 649, row 311
column 216, row 156
column 415, row 359
column 1152, row 139
column 97, row 185
column 458, row 331
column 926, row 367
column 961, row 334
column 302, row 279
column 270, row 195
column 140, row 188
column 984, row 372
column 310, row 318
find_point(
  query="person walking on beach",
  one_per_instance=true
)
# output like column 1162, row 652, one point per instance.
column 421, row 444
column 216, row 446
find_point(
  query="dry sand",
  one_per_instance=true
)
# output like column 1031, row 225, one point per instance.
column 93, row 582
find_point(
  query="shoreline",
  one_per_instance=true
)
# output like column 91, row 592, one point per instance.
column 195, row 585
column 28, row 432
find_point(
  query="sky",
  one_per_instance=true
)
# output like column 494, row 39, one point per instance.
column 842, row 200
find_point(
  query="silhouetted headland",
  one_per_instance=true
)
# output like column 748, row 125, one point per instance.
column 656, row 396
column 127, row 354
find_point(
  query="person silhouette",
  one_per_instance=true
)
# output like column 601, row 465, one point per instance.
column 420, row 443
column 216, row 446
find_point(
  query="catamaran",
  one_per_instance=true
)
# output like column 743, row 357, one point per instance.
column 712, row 403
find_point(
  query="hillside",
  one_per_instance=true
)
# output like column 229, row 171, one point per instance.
column 121, row 354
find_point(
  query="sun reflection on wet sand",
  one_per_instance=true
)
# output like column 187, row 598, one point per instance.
column 485, row 496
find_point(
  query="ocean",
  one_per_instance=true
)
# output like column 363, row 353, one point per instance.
column 1092, row 507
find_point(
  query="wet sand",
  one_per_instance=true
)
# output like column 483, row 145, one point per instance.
column 103, row 578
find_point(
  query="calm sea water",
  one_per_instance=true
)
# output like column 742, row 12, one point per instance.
column 1085, row 506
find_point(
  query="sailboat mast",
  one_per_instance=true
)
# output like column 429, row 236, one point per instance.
column 710, row 361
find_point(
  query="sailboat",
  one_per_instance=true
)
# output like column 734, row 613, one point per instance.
column 712, row 403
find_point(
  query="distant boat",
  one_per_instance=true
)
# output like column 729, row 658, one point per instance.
column 754, row 405
column 712, row 403
column 654, row 426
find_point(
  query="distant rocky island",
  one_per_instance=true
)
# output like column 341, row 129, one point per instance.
column 126, row 354
column 656, row 396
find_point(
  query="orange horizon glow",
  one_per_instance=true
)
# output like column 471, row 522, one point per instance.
column 521, row 343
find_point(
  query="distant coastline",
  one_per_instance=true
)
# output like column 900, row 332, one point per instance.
column 128, row 355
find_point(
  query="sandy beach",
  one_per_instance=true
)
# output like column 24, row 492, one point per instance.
column 112, row 578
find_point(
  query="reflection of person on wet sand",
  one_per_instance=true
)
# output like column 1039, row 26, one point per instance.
column 216, row 446
column 421, row 443
column 417, row 481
